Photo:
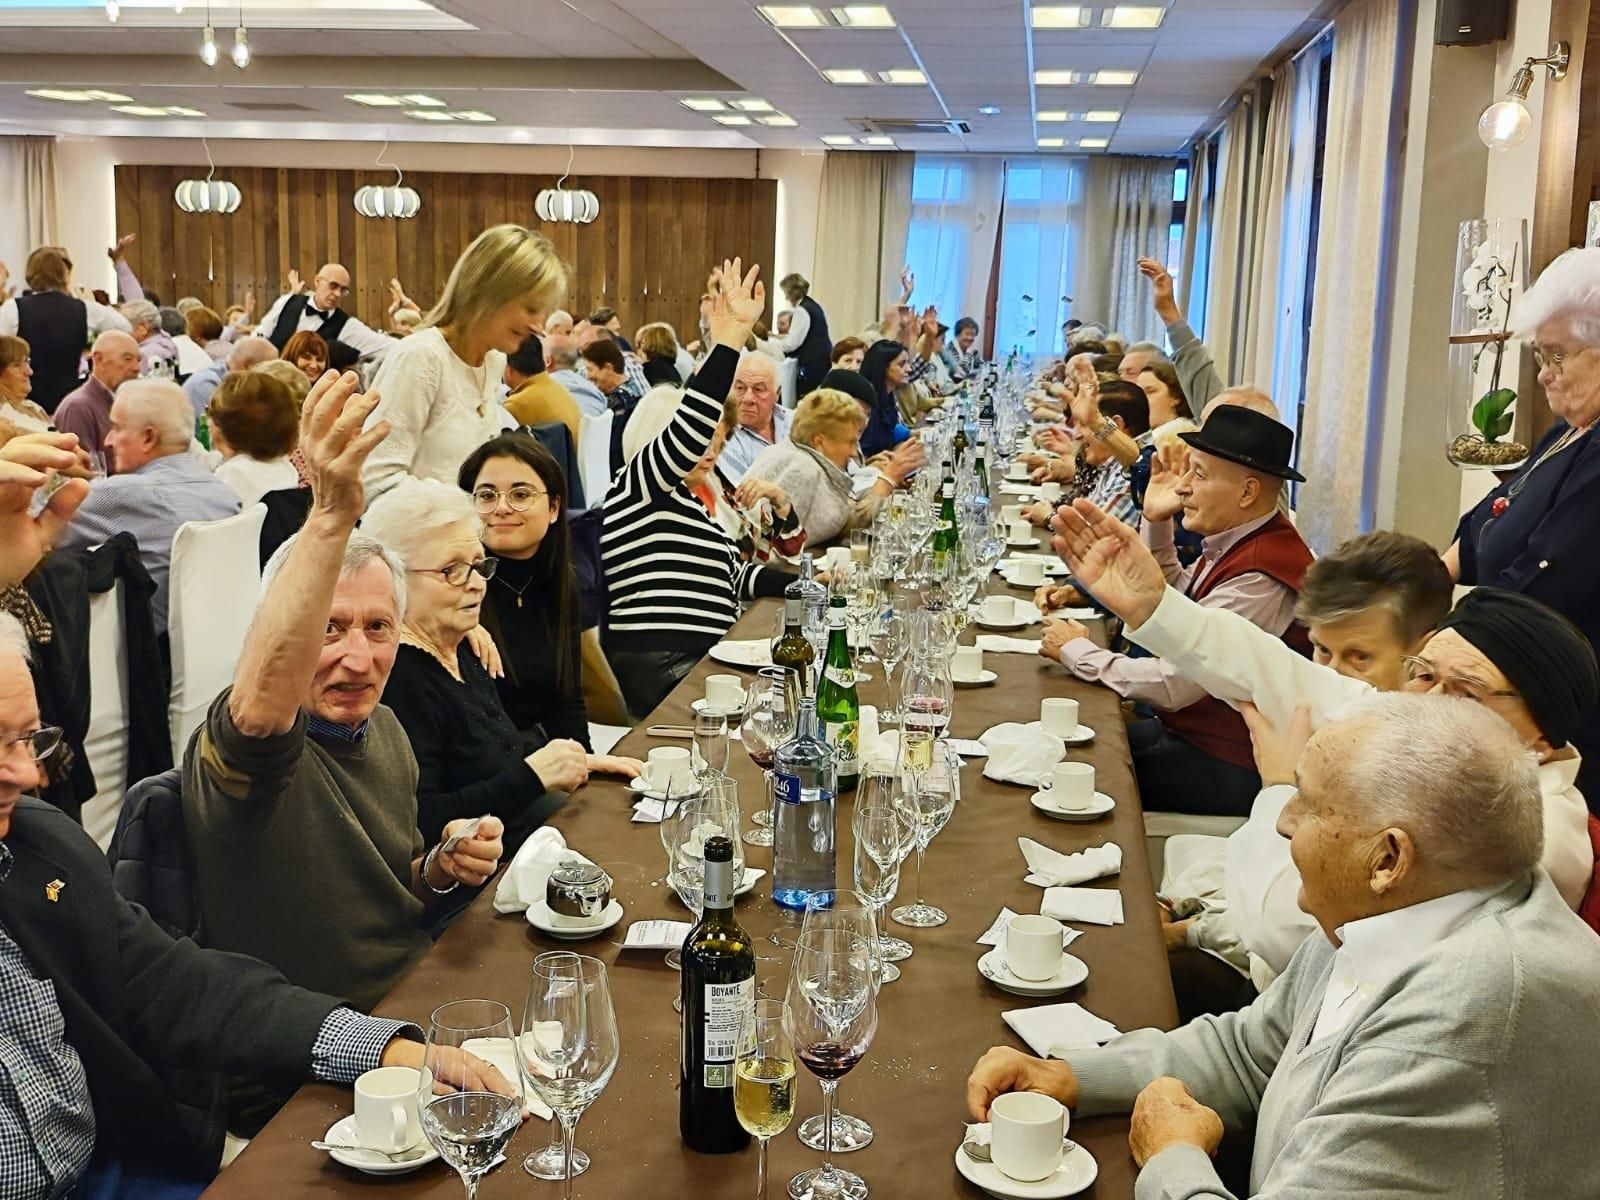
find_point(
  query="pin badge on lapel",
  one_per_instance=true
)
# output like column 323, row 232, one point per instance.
column 52, row 890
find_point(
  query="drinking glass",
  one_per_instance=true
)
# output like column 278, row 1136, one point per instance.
column 929, row 693
column 469, row 1129
column 928, row 800
column 853, row 913
column 710, row 752
column 859, row 614
column 883, row 826
column 764, row 1078
column 713, row 813
column 860, row 545
column 569, row 1046
column 768, row 723
column 889, row 643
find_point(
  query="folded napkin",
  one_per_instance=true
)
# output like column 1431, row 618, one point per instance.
column 1055, row 1030
column 1020, row 753
column 498, row 1053
column 524, row 881
column 1092, row 906
column 653, row 812
column 1051, row 868
column 995, row 935
column 1077, row 614
column 873, row 742
column 998, row 643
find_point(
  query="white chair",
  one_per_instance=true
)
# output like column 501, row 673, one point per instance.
column 1159, row 826
column 212, row 593
column 106, row 743
column 594, row 457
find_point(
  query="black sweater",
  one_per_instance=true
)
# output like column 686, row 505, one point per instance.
column 532, row 697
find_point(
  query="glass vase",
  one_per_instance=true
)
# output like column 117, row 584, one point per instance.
column 1480, row 409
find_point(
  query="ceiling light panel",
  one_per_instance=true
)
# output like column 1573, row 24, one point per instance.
column 703, row 104
column 731, row 119
column 1060, row 16
column 1052, row 115
column 1132, row 16
column 427, row 114
column 376, row 100
column 475, row 116
column 837, row 139
column 1051, row 143
column 150, row 110
column 1101, row 115
column 1093, row 143
column 1115, row 78
column 846, row 75
column 904, row 76
column 1055, row 78
column 792, row 16
column 422, row 101
column 66, row 95
column 754, row 104
column 877, row 139
column 864, row 16
column 778, row 121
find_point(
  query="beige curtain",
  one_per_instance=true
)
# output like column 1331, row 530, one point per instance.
column 1233, row 236
column 1259, row 307
column 1127, row 215
column 1342, row 419
column 862, row 221
column 1196, row 234
column 28, row 200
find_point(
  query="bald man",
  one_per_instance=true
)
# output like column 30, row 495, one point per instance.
column 322, row 312
column 86, row 411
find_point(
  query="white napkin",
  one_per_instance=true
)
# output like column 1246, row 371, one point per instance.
column 1020, row 753
column 1077, row 614
column 995, row 935
column 1051, row 868
column 1055, row 1030
column 524, row 881
column 498, row 1053
column 998, row 643
column 653, row 812
column 873, row 742
column 1092, row 906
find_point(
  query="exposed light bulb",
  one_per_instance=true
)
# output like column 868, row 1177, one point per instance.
column 208, row 47
column 113, row 11
column 1504, row 124
column 241, row 49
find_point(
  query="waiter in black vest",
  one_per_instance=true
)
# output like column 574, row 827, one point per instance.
column 55, row 324
column 321, row 312
column 807, row 341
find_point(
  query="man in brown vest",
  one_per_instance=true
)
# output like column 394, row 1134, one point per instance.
column 1194, row 755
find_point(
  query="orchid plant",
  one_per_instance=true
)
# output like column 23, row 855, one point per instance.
column 1486, row 286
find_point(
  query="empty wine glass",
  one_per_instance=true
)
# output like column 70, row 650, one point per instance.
column 883, row 827
column 764, row 1078
column 889, row 643
column 574, row 1046
column 928, row 801
column 710, row 754
column 768, row 724
column 468, row 1128
column 853, row 913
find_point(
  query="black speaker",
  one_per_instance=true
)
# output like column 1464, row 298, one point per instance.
column 1472, row 22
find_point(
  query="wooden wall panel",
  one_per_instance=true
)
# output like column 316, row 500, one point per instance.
column 645, row 256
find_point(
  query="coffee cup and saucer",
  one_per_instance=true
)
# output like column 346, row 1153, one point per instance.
column 1029, row 1155
column 665, row 765
column 1058, row 715
column 1020, row 535
column 724, row 694
column 383, row 1136
column 1000, row 612
column 1070, row 795
column 1032, row 962
column 967, row 670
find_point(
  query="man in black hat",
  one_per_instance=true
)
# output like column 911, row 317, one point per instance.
column 1194, row 754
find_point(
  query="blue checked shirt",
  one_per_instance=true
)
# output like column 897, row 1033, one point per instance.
column 1113, row 492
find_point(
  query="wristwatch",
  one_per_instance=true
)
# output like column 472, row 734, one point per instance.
column 1106, row 428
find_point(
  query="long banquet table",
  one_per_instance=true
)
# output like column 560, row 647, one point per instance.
column 934, row 1022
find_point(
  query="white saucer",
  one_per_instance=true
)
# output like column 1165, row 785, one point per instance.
column 749, row 655
column 1076, row 1172
column 984, row 679
column 568, row 928
column 1003, row 625
column 370, row 1161
column 1081, row 736
column 700, row 704
column 1099, row 807
column 639, row 787
column 992, row 966
column 1031, row 544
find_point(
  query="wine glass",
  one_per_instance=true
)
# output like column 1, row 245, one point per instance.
column 571, row 1046
column 710, row 752
column 928, row 800
column 469, row 1129
column 889, row 643
column 852, row 913
column 764, row 1078
column 833, row 1015
column 715, row 811
column 929, row 693
column 768, row 723
column 883, row 827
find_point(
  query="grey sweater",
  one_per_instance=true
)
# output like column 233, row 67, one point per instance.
column 1473, row 1074
column 1197, row 370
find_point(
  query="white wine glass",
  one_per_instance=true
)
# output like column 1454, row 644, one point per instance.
column 469, row 1128
column 853, row 913
column 928, row 799
column 885, row 831
column 890, row 640
column 764, row 1079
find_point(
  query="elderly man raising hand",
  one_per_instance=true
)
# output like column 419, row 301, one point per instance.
column 1410, row 1049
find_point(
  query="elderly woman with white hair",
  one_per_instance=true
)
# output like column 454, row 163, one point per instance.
column 471, row 758
column 1411, row 1047
column 157, row 351
column 1535, row 533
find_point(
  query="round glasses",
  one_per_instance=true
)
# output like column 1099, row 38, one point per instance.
column 457, row 573
column 518, row 499
column 1556, row 360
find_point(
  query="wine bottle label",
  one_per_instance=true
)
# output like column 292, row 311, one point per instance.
column 719, row 885
column 726, row 1004
column 786, row 788
column 842, row 677
column 844, row 737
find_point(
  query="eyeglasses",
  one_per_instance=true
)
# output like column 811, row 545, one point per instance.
column 1554, row 359
column 1421, row 671
column 40, row 744
column 518, row 499
column 457, row 573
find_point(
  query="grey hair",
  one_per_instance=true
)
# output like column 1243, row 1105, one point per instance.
column 141, row 312
column 13, row 639
column 1569, row 287
column 1156, row 353
column 250, row 352
column 361, row 549
column 762, row 360
column 1451, row 773
column 409, row 513
column 162, row 405
column 561, row 351
column 187, row 302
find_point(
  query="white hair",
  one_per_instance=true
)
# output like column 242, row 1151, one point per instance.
column 762, row 361
column 142, row 312
column 558, row 317
column 361, row 549
column 1451, row 773
column 410, row 513
column 1569, row 287
column 13, row 640
column 161, row 405
column 1156, row 353
column 251, row 352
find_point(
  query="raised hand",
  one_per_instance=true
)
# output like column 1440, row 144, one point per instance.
column 25, row 466
column 738, row 299
column 908, row 282
column 1165, row 303
column 1109, row 561
column 296, row 284
column 335, row 445
column 116, row 252
column 1084, row 400
column 1277, row 751
column 930, row 322
column 1167, row 469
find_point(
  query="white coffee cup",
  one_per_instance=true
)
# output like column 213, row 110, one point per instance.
column 838, row 556
column 724, row 692
column 1033, row 947
column 1072, row 785
column 386, row 1109
column 1020, row 531
column 998, row 610
column 1026, row 1131
column 967, row 663
column 1028, row 572
column 1050, row 491
column 1018, row 472
column 1011, row 513
column 666, row 764
column 1057, row 715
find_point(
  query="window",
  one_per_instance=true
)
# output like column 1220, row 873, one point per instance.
column 1180, row 206
column 937, row 243
column 1043, row 219
column 1320, row 60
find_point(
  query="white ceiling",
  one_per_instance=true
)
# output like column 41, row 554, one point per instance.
column 612, row 72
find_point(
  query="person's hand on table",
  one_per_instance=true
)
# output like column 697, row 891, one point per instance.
column 453, row 1068
column 1174, row 932
column 1038, row 513
column 1109, row 559
column 561, row 764
column 1057, row 595
column 1003, row 1070
column 750, row 491
column 1055, row 470
column 1057, row 633
column 474, row 858
column 485, row 651
column 25, row 466
column 615, row 764
column 1167, row 1114
column 1277, row 750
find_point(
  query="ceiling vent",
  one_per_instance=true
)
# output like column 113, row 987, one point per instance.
column 269, row 106
column 899, row 126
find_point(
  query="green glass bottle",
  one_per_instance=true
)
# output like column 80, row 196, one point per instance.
column 838, row 706
column 793, row 652
column 944, row 533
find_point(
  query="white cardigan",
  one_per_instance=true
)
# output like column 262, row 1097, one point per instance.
column 439, row 411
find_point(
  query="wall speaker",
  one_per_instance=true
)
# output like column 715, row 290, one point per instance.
column 1472, row 22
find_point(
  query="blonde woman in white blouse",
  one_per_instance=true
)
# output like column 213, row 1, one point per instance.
column 440, row 386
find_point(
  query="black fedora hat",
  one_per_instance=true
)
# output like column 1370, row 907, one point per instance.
column 1249, row 438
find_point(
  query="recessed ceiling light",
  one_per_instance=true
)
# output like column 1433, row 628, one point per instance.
column 139, row 110
column 1060, row 16
column 474, row 115
column 1115, row 78
column 71, row 97
column 792, row 16
column 1053, row 114
column 178, row 110
column 703, row 103
column 1055, row 78
column 989, row 110
column 778, row 121
column 846, row 75
column 1051, row 143
column 376, row 100
column 1093, row 143
column 731, row 119
column 903, row 76
column 864, row 16
column 836, row 139
column 754, row 104
column 1102, row 114
column 1132, row 16
column 877, row 139
column 422, row 101
column 427, row 114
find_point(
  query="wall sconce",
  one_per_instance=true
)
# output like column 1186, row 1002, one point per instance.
column 1505, row 123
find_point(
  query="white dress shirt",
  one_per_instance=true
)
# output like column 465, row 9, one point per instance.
column 367, row 342
column 788, row 343
column 102, row 318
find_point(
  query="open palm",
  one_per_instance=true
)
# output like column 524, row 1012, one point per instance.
column 1161, row 499
column 1109, row 560
column 738, row 298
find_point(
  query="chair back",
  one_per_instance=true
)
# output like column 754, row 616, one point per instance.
column 106, row 745
column 594, row 456
column 214, row 586
column 555, row 437
column 149, row 854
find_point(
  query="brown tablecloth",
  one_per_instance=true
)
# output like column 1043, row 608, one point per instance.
column 935, row 1021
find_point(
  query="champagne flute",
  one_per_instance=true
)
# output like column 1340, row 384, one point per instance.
column 853, row 913
column 928, row 800
column 764, row 1078
column 469, row 1129
column 885, row 829
column 574, row 1046
column 889, row 643
column 833, row 1015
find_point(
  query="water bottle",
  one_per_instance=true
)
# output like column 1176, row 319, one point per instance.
column 803, row 789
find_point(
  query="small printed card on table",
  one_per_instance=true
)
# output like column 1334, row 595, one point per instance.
column 656, row 935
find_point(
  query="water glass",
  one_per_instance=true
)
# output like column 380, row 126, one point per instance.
column 469, row 1128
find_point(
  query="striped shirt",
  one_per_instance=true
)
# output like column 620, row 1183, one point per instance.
column 669, row 565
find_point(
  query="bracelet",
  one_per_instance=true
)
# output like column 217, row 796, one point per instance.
column 427, row 861
column 1107, row 428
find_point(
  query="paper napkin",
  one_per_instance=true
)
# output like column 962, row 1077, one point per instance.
column 1020, row 753
column 525, row 879
column 1055, row 1030
column 499, row 1054
column 995, row 935
column 1092, row 906
column 1051, row 868
column 999, row 643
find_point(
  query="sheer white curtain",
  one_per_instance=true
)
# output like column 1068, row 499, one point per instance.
column 1192, row 270
column 1040, row 236
column 1232, row 236
column 862, row 219
column 1345, row 367
column 1127, row 215
column 28, row 200
column 955, row 218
